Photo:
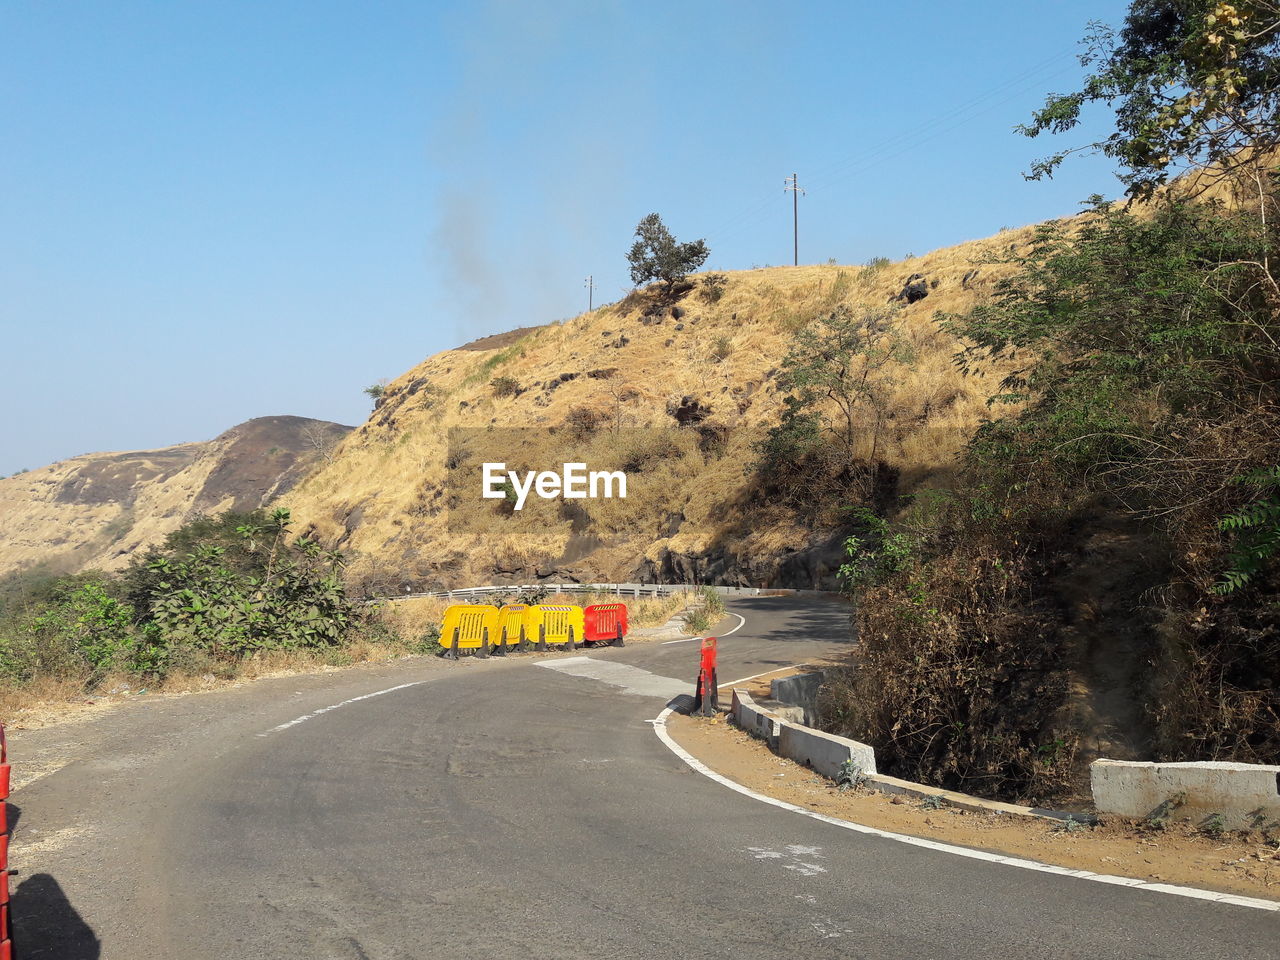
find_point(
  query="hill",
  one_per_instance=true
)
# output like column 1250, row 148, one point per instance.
column 681, row 390
column 95, row 510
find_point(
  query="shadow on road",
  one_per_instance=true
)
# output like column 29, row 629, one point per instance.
column 790, row 619
column 47, row 926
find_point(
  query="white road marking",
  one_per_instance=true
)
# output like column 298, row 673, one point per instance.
column 806, row 869
column 741, row 623
column 660, row 727
column 794, row 851
column 628, row 679
column 734, row 683
column 323, row 710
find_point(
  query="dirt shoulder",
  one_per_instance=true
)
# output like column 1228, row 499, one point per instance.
column 1178, row 854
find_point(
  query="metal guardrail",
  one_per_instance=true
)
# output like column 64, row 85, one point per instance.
column 515, row 589
column 617, row 589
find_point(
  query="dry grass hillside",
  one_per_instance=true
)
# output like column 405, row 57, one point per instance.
column 678, row 397
column 94, row 510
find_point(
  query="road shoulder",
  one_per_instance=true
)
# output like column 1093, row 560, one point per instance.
column 1176, row 855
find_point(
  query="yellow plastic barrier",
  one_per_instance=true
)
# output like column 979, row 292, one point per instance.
column 554, row 623
column 511, row 625
column 469, row 626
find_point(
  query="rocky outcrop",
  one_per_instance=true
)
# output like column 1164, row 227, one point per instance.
column 814, row 566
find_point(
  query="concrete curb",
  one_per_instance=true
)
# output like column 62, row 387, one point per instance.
column 1254, row 903
column 1244, row 795
column 825, row 753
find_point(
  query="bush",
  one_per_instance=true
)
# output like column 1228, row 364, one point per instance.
column 696, row 620
column 713, row 603
column 504, row 386
column 713, row 286
column 961, row 677
column 218, row 589
column 582, row 423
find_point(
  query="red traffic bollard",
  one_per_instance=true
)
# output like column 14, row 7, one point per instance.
column 706, row 698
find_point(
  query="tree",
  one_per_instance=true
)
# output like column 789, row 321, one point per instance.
column 1191, row 81
column 842, row 358
column 656, row 256
column 839, row 382
column 322, row 439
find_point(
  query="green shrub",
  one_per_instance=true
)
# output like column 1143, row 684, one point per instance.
column 697, row 620
column 504, row 386
column 713, row 286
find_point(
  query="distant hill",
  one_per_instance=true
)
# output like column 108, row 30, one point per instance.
column 95, row 510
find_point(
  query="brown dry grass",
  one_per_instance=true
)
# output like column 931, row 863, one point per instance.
column 392, row 470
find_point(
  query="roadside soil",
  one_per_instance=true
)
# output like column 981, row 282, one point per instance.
column 1178, row 854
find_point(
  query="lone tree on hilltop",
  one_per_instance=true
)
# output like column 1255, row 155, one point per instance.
column 656, row 256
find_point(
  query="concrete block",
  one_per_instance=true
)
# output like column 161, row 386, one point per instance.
column 754, row 719
column 823, row 752
column 799, row 691
column 1244, row 794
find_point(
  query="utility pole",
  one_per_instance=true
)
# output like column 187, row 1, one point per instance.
column 793, row 187
column 590, row 284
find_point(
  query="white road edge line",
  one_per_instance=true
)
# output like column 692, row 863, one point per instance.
column 323, row 710
column 742, row 622
column 660, row 728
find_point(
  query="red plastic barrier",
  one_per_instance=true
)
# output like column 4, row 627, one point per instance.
column 605, row 623
column 707, row 697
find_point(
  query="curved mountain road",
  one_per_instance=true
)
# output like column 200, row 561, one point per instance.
column 509, row 809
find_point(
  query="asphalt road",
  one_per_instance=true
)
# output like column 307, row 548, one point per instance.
column 507, row 809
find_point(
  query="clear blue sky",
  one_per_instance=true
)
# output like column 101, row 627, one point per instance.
column 216, row 211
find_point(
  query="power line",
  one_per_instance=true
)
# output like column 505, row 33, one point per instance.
column 590, row 284
column 896, row 145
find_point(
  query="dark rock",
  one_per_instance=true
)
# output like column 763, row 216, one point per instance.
column 679, row 326
column 555, row 382
column 620, row 342
column 677, row 312
column 671, row 524
column 688, row 410
column 969, row 277
column 812, row 567
column 915, row 289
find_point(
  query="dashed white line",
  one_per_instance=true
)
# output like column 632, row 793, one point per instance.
column 323, row 710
